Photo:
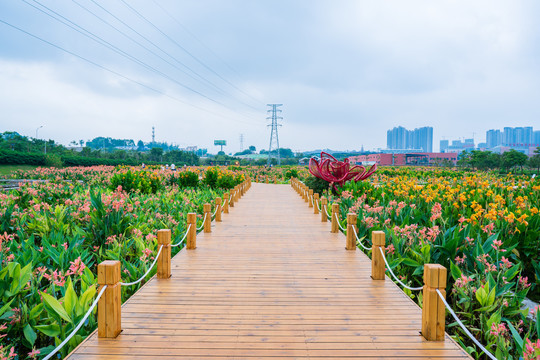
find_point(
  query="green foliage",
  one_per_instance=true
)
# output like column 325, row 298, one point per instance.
column 316, row 184
column 184, row 179
column 143, row 181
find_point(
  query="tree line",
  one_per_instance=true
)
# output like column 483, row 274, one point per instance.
column 486, row 160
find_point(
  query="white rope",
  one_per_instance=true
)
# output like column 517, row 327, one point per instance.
column 184, row 238
column 81, row 323
column 326, row 212
column 490, row 355
column 337, row 220
column 394, row 275
column 215, row 212
column 147, row 272
column 358, row 241
column 204, row 220
column 318, row 204
column 230, row 198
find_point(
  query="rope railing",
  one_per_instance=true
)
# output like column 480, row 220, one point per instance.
column 431, row 317
column 184, row 238
column 81, row 323
column 339, row 224
column 394, row 275
column 202, row 225
column 358, row 240
column 490, row 355
column 147, row 271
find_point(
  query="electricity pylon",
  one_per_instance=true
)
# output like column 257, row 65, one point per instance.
column 274, row 126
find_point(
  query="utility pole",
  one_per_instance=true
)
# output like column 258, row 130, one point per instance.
column 241, row 142
column 274, row 126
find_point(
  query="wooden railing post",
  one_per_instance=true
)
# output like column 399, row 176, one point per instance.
column 164, row 261
column 207, row 208
column 109, row 309
column 191, row 240
column 351, row 239
column 377, row 262
column 236, row 193
column 310, row 196
column 306, row 194
column 218, row 209
column 226, row 203
column 231, row 202
column 335, row 217
column 433, row 309
column 275, row 179
column 315, row 202
column 266, row 181
column 324, row 204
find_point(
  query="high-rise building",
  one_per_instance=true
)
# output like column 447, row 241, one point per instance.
column 417, row 139
column 493, row 138
column 444, row 145
column 536, row 138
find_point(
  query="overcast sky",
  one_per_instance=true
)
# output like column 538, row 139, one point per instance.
column 199, row 70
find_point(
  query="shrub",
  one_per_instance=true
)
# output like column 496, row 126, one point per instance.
column 143, row 181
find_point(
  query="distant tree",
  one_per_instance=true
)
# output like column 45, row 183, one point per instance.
column 513, row 158
column 534, row 161
column 252, row 148
column 156, row 153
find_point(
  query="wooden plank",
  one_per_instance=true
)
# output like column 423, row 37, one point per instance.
column 269, row 281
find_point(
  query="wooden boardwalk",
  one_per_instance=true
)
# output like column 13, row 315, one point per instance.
column 269, row 281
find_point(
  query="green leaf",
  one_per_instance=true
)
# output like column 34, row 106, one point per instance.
column 491, row 297
column 55, row 306
column 30, row 334
column 455, row 271
column 70, row 299
column 5, row 307
column 410, row 262
column 87, row 297
column 49, row 330
column 517, row 339
column 36, row 311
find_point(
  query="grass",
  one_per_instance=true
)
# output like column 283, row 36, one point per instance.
column 8, row 169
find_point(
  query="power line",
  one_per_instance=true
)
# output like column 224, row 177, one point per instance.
column 115, row 72
column 204, row 45
column 184, row 49
column 165, row 52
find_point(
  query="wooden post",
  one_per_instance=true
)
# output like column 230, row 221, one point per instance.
column 335, row 217
column 231, row 202
column 310, row 196
column 207, row 208
column 377, row 262
column 351, row 238
column 324, row 204
column 109, row 310
column 433, row 309
column 275, row 179
column 315, row 202
column 266, row 181
column 164, row 261
column 191, row 240
column 236, row 193
column 218, row 211
column 306, row 194
column 226, row 203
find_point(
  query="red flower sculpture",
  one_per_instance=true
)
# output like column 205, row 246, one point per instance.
column 338, row 172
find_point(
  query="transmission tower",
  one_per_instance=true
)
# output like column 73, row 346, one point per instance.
column 153, row 135
column 241, row 142
column 274, row 133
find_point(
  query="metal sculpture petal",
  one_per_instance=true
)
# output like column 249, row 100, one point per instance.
column 338, row 172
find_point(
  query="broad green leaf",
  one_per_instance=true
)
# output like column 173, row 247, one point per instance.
column 87, row 297
column 455, row 271
column 491, row 297
column 30, row 334
column 410, row 262
column 70, row 299
column 55, row 306
column 36, row 311
column 51, row 330
column 5, row 307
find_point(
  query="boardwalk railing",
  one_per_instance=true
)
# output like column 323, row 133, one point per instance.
column 108, row 300
column 434, row 289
